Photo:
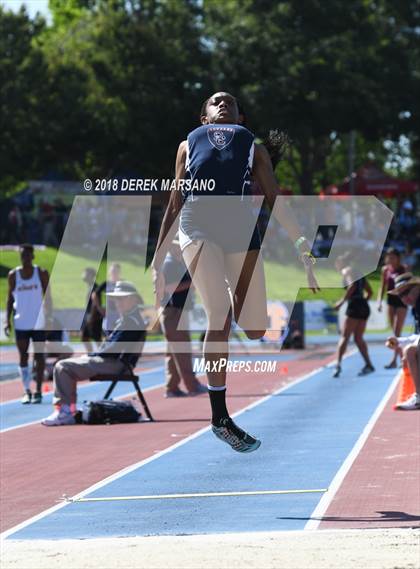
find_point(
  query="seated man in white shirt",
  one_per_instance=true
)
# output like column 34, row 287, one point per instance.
column 118, row 353
column 407, row 287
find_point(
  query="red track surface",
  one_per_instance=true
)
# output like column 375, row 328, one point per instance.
column 381, row 489
column 39, row 464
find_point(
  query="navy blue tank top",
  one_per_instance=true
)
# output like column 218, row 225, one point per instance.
column 223, row 153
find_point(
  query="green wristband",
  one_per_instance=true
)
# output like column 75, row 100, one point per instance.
column 299, row 242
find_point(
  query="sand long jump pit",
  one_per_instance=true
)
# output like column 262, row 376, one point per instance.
column 329, row 549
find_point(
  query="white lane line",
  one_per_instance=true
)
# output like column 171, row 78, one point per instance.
column 84, row 385
column 144, row 390
column 145, row 461
column 323, row 504
column 7, row 429
column 197, row 495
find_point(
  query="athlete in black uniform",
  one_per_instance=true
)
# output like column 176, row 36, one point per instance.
column 220, row 246
column 357, row 314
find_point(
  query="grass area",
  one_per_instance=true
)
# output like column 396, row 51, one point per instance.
column 281, row 279
column 69, row 291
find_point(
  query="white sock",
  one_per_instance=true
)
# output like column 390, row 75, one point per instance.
column 26, row 378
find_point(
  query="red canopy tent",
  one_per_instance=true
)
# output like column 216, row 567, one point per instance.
column 371, row 180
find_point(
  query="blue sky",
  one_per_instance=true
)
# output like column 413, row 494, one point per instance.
column 32, row 6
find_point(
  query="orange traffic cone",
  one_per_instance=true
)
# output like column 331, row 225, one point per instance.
column 46, row 388
column 407, row 387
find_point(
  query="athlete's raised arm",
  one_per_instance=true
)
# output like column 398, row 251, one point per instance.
column 169, row 227
column 263, row 173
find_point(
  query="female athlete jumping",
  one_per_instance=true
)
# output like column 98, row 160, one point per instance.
column 220, row 244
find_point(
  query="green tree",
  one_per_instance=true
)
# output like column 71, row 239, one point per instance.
column 64, row 12
column 315, row 68
column 133, row 76
column 336, row 165
column 22, row 73
column 412, row 119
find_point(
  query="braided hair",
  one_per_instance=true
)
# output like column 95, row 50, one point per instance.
column 276, row 143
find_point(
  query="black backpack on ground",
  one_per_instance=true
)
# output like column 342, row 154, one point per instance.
column 108, row 411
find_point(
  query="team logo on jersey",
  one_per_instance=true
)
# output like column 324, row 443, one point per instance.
column 220, row 137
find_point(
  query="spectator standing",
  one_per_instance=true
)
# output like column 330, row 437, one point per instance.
column 397, row 310
column 358, row 292
column 48, row 225
column 27, row 285
column 176, row 304
column 92, row 321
